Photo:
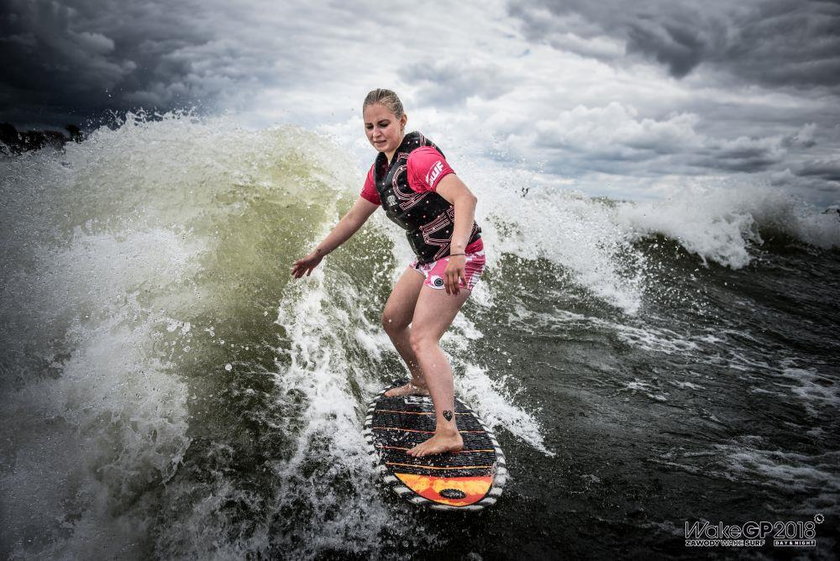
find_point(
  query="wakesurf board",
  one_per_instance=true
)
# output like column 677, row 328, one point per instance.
column 467, row 480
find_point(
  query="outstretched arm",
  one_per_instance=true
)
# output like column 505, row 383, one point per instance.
column 346, row 227
column 456, row 192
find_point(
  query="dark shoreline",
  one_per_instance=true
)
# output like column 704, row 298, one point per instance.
column 14, row 142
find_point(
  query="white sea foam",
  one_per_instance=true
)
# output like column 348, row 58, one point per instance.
column 645, row 388
column 722, row 224
column 107, row 246
column 819, row 393
column 116, row 419
column 814, row 473
column 748, row 461
column 648, row 337
column 495, row 404
column 321, row 369
column 653, row 339
column 689, row 385
column 522, row 215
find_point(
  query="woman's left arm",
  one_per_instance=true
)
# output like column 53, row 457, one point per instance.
column 459, row 195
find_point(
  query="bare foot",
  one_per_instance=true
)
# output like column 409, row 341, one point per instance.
column 408, row 389
column 438, row 444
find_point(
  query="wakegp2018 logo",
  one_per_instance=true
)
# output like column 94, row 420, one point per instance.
column 753, row 534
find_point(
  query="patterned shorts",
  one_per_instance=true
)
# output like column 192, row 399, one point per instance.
column 434, row 271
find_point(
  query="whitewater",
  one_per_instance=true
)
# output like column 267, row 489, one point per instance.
column 169, row 392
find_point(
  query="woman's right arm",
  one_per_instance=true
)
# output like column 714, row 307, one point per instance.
column 346, row 227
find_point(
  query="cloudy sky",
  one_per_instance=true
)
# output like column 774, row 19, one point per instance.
column 628, row 99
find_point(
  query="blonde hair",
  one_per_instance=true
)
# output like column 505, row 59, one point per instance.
column 387, row 98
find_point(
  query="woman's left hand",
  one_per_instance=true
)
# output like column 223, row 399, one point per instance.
column 454, row 274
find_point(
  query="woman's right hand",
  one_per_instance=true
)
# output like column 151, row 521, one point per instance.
column 305, row 265
column 346, row 227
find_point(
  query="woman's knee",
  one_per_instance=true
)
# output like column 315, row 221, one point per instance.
column 391, row 323
column 420, row 340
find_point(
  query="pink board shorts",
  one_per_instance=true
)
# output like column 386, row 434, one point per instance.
column 434, row 271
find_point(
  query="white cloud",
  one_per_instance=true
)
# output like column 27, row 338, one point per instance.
column 602, row 130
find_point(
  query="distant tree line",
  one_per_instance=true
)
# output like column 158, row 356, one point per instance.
column 16, row 142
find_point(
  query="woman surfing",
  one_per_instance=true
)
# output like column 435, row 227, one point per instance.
column 420, row 192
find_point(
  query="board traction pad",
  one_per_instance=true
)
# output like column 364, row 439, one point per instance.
column 469, row 480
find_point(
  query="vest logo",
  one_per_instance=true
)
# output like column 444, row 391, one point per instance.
column 391, row 200
column 434, row 173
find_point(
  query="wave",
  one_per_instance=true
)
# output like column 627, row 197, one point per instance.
column 725, row 225
column 166, row 383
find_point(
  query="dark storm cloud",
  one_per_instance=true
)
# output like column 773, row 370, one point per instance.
column 71, row 60
column 772, row 42
column 828, row 169
column 742, row 155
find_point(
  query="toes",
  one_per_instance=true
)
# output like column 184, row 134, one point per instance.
column 407, row 389
column 394, row 392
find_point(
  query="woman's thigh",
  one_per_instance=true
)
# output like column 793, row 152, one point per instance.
column 434, row 312
column 399, row 309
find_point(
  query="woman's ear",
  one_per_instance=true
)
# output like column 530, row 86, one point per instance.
column 403, row 121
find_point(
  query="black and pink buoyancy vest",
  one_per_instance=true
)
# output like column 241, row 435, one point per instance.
column 427, row 218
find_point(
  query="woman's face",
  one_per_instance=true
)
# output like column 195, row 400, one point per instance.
column 383, row 129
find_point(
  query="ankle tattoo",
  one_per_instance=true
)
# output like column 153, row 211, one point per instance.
column 447, row 415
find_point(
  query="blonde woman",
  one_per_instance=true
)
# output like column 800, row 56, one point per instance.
column 420, row 192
